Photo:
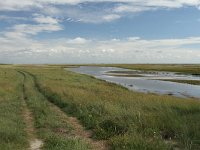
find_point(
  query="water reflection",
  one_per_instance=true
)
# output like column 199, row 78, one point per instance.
column 146, row 82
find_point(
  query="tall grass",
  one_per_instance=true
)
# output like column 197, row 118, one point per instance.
column 128, row 120
column 12, row 126
column 51, row 126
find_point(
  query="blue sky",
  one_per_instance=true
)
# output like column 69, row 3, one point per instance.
column 100, row 31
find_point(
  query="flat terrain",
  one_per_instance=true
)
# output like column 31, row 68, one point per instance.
column 64, row 110
column 180, row 69
column 189, row 69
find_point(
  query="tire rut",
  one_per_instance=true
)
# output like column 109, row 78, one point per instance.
column 78, row 130
column 34, row 142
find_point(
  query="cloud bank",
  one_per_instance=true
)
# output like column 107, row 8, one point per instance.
column 20, row 45
column 75, row 9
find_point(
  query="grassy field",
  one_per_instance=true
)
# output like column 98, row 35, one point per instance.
column 50, row 124
column 124, row 119
column 128, row 120
column 12, row 125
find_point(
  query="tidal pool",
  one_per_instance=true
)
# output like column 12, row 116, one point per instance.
column 144, row 81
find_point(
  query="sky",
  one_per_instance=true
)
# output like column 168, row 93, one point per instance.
column 99, row 31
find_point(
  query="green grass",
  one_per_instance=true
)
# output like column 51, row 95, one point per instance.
column 51, row 126
column 12, row 126
column 126, row 119
column 49, row 122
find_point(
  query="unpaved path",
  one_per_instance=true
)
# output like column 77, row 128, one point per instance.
column 78, row 130
column 34, row 143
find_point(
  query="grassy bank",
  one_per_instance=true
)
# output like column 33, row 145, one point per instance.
column 128, row 120
column 193, row 82
column 12, row 125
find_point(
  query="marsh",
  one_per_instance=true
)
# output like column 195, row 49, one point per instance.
column 158, row 82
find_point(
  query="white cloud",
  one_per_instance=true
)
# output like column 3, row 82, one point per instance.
column 45, row 19
column 77, row 11
column 81, row 50
column 18, row 45
column 13, row 5
column 108, row 50
column 28, row 29
column 11, row 19
column 115, row 40
column 27, row 4
column 111, row 17
column 130, row 8
column 77, row 40
column 44, row 24
column 133, row 38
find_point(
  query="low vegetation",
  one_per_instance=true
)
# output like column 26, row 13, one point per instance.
column 124, row 119
column 193, row 82
column 186, row 69
column 51, row 125
column 12, row 125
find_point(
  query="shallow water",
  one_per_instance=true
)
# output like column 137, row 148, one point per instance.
column 147, row 82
